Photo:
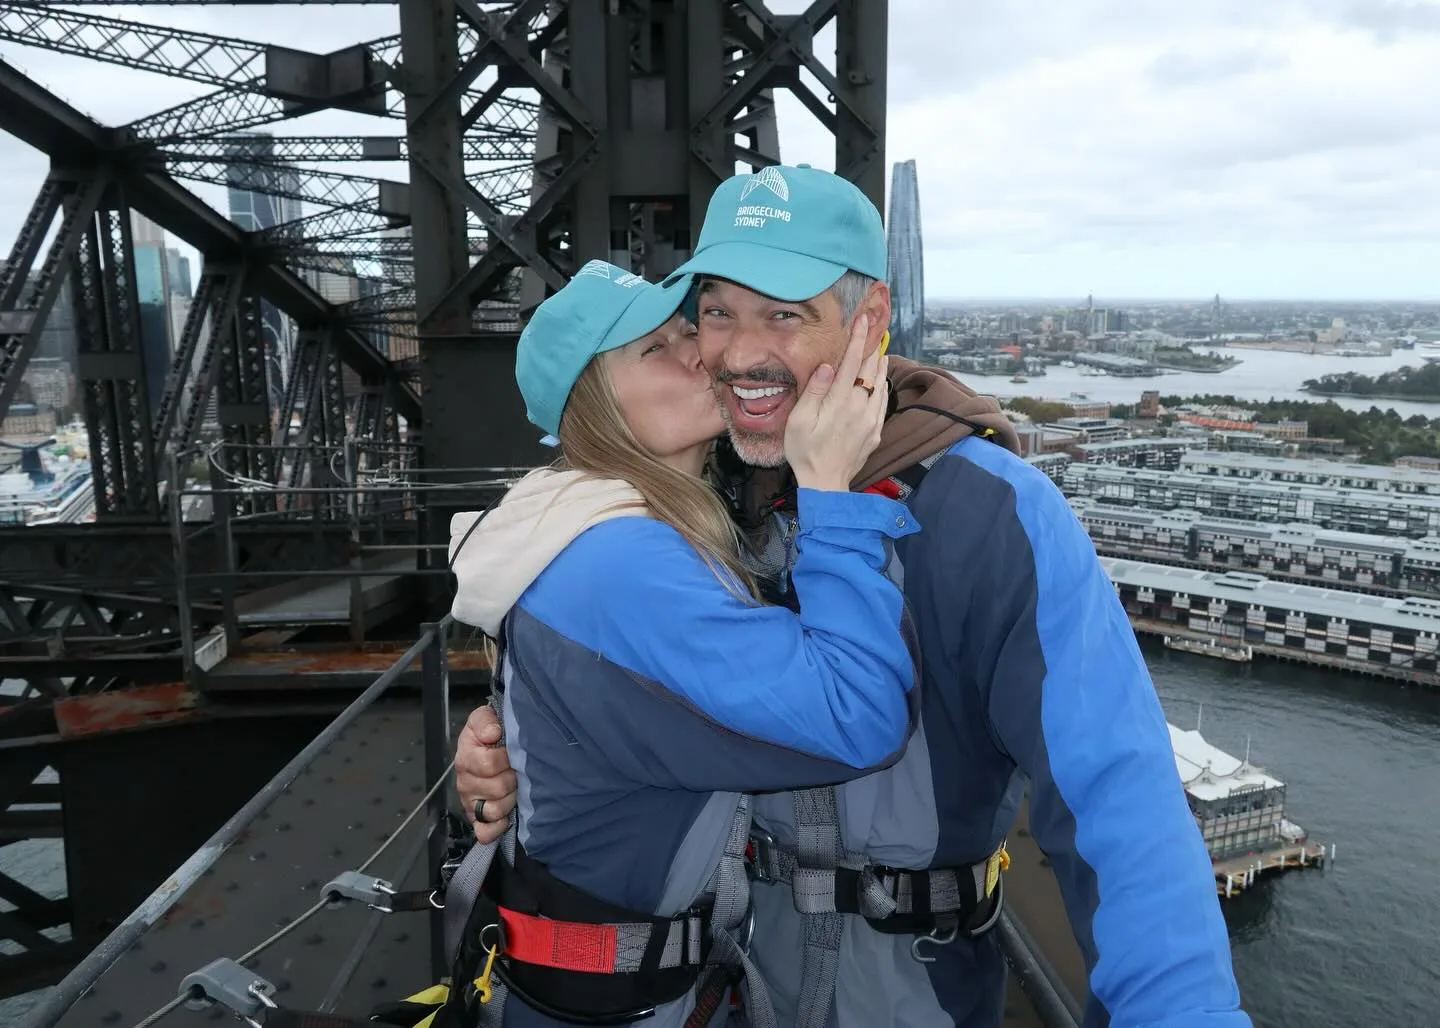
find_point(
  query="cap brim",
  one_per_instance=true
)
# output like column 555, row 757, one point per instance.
column 651, row 309
column 765, row 269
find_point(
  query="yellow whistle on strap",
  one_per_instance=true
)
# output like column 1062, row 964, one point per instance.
column 482, row 984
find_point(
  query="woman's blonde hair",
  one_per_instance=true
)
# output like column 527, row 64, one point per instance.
column 595, row 438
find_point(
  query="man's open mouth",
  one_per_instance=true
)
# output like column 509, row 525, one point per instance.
column 756, row 408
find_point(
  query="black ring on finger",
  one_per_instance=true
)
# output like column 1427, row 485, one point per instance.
column 480, row 812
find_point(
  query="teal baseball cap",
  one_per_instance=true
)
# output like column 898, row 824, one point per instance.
column 788, row 232
column 602, row 308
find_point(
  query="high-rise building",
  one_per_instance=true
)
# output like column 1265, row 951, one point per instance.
column 180, row 284
column 907, row 263
column 262, row 194
column 152, row 292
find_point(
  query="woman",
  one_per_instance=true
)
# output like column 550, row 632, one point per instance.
column 645, row 687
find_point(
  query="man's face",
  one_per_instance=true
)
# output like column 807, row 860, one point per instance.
column 760, row 352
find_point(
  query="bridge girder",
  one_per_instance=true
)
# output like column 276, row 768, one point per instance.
column 535, row 134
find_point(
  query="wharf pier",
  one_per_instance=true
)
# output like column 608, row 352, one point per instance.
column 1236, row 874
column 1164, row 629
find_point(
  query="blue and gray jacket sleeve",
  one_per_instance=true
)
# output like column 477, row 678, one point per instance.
column 723, row 693
column 1070, row 699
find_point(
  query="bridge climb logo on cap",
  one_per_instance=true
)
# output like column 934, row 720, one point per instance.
column 601, row 308
column 788, row 232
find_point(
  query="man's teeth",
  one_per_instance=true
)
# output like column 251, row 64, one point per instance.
column 757, row 394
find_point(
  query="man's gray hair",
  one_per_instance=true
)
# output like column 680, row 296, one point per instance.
column 850, row 291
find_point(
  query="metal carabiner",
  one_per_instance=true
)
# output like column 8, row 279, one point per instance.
column 935, row 939
column 746, row 933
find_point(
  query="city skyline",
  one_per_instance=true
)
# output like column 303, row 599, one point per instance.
column 1278, row 151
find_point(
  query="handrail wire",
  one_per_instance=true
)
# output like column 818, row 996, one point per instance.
column 319, row 905
column 99, row 960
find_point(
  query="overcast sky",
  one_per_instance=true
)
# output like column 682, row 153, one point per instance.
column 1133, row 148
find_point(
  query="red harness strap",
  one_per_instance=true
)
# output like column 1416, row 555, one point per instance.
column 565, row 945
column 885, row 487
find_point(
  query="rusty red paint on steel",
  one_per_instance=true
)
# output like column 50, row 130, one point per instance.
column 140, row 707
column 323, row 661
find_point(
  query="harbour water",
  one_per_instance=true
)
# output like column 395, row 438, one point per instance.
column 1264, row 374
column 1355, row 943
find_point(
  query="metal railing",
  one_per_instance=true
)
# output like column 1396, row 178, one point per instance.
column 1037, row 978
column 375, row 493
column 430, row 647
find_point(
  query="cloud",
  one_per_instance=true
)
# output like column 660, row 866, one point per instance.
column 1189, row 67
column 1162, row 147
column 1389, row 20
column 1207, row 134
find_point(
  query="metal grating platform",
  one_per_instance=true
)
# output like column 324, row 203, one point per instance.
column 347, row 959
column 326, row 601
column 331, row 820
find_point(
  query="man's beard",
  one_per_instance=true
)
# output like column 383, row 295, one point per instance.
column 757, row 449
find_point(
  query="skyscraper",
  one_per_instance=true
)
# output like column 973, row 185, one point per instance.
column 152, row 292
column 907, row 263
column 255, row 181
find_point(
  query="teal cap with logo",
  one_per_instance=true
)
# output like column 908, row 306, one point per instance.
column 602, row 308
column 788, row 232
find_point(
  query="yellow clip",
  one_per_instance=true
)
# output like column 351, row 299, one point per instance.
column 997, row 862
column 482, row 984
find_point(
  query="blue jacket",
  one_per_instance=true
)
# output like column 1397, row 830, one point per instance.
column 1030, row 671
column 643, row 695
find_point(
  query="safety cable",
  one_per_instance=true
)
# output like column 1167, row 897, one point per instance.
column 174, row 1004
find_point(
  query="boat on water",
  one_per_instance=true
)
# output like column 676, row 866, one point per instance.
column 1019, row 378
column 1238, row 653
column 41, row 488
column 1240, row 809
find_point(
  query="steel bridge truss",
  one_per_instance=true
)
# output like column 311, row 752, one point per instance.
column 643, row 108
column 529, row 136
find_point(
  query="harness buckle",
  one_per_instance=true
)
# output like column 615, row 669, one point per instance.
column 234, row 987
column 761, row 855
column 374, row 892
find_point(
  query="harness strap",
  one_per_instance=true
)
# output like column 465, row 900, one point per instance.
column 878, row 892
column 730, row 884
column 819, row 847
column 463, row 893
column 616, row 947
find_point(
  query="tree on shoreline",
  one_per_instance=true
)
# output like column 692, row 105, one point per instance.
column 1377, row 436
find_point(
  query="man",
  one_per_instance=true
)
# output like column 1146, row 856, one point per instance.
column 1031, row 672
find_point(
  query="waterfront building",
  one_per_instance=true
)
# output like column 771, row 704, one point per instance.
column 1348, row 510
column 1392, row 637
column 1249, row 442
column 1091, row 430
column 1310, row 471
column 1238, row 807
column 1337, row 560
column 1052, row 464
column 1157, row 452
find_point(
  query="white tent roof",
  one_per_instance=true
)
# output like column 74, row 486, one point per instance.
column 1212, row 774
